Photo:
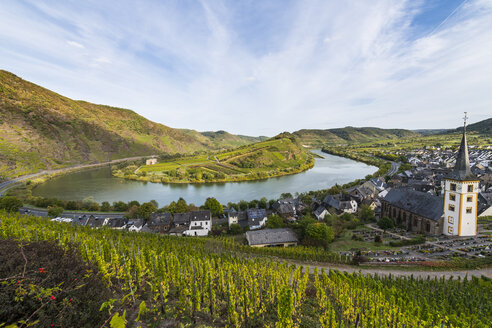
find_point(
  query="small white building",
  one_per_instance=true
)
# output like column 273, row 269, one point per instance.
column 200, row 224
column 151, row 161
column 232, row 217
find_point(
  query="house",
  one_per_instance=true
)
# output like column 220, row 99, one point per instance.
column 151, row 161
column 272, row 237
column 160, row 222
column 484, row 204
column 117, row 223
column 321, row 212
column 135, row 225
column 95, row 222
column 257, row 218
column 419, row 212
column 200, row 223
column 341, row 206
column 285, row 208
column 232, row 217
column 181, row 219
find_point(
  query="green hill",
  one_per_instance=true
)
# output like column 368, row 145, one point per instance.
column 273, row 157
column 41, row 129
column 482, row 127
column 222, row 139
column 349, row 135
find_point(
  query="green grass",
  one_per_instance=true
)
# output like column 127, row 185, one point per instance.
column 274, row 157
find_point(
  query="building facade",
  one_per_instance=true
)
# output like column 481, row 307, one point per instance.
column 460, row 190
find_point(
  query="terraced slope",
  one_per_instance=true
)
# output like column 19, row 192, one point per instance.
column 274, row 157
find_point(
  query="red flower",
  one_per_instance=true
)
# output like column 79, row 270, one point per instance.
column 75, row 279
column 18, row 281
column 41, row 270
column 70, row 300
column 53, row 297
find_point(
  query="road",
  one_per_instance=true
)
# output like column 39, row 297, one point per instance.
column 394, row 168
column 4, row 186
column 68, row 214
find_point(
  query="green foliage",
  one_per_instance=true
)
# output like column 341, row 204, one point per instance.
column 366, row 214
column 146, row 209
column 209, row 282
column 10, row 203
column 213, row 205
column 235, row 229
column 274, row 221
column 319, row 234
column 386, row 223
column 118, row 321
column 55, row 211
column 404, row 242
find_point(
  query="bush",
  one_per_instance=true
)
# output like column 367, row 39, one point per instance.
column 10, row 203
column 235, row 229
column 386, row 223
column 378, row 239
column 74, row 291
column 55, row 211
column 319, row 234
column 274, row 221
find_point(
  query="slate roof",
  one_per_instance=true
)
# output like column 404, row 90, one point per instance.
column 461, row 169
column 271, row 236
column 181, row 218
column 200, row 215
column 135, row 222
column 420, row 203
column 255, row 215
column 319, row 210
column 156, row 219
column 116, row 222
column 285, row 206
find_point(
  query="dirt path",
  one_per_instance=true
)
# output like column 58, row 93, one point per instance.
column 397, row 272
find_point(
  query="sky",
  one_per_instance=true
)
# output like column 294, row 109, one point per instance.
column 261, row 67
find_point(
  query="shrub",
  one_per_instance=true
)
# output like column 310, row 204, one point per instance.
column 10, row 203
column 386, row 223
column 74, row 291
column 55, row 211
column 235, row 229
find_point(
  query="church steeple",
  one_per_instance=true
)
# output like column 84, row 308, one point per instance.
column 461, row 169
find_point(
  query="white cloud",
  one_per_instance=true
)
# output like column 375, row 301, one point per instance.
column 75, row 44
column 328, row 64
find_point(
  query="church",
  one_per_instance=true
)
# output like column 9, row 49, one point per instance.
column 454, row 213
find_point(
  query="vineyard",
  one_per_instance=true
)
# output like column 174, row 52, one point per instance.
column 170, row 281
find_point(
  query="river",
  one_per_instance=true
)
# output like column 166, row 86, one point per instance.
column 99, row 184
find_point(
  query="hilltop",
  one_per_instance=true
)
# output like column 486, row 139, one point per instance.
column 222, row 139
column 44, row 130
column 273, row 157
column 350, row 135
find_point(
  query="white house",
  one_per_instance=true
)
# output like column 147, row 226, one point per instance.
column 151, row 161
column 200, row 224
column 256, row 218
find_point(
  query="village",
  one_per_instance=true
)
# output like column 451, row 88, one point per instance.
column 416, row 200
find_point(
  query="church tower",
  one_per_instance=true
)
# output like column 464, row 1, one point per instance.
column 460, row 195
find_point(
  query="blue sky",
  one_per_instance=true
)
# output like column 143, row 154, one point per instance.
column 261, row 67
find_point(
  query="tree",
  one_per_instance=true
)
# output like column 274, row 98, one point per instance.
column 10, row 203
column 386, row 223
column 133, row 203
column 243, row 205
column 105, row 207
column 319, row 234
column 181, row 206
column 213, row 205
column 145, row 210
column 235, row 229
column 172, row 207
column 262, row 203
column 55, row 211
column 120, row 206
column 285, row 195
column 366, row 214
column 274, row 221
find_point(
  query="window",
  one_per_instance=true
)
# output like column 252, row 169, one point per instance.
column 450, row 229
column 452, row 197
column 415, row 222
column 468, row 210
column 428, row 227
column 453, row 187
column 470, row 188
column 451, row 208
column 469, row 199
column 450, row 220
